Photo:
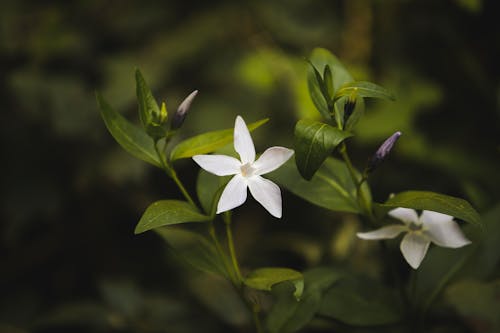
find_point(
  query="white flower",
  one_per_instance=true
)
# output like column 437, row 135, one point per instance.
column 247, row 172
column 420, row 232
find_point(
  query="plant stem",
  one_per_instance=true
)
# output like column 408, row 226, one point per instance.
column 220, row 251
column 176, row 179
column 253, row 306
column 170, row 171
column 232, row 251
column 366, row 204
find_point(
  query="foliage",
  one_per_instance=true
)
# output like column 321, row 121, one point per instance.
column 72, row 197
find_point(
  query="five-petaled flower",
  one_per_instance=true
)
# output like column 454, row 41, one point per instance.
column 247, row 172
column 434, row 227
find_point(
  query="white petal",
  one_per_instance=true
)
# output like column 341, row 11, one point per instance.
column 430, row 216
column 267, row 193
column 220, row 165
column 414, row 247
column 234, row 194
column 405, row 215
column 243, row 143
column 387, row 232
column 445, row 233
column 272, row 159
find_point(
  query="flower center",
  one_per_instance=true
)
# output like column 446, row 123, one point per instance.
column 247, row 170
column 415, row 227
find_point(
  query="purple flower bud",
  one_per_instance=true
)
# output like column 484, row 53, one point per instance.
column 181, row 113
column 382, row 152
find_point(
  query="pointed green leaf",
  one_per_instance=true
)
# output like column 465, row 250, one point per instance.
column 316, row 91
column 314, row 142
column 328, row 80
column 148, row 108
column 168, row 212
column 364, row 89
column 194, row 249
column 331, row 187
column 130, row 137
column 321, row 57
column 208, row 142
column 265, row 278
column 436, row 202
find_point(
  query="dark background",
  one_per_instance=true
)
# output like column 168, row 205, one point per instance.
column 70, row 197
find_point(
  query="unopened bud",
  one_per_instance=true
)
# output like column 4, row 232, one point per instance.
column 349, row 106
column 181, row 113
column 382, row 152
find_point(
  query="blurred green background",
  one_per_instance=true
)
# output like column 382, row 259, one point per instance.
column 71, row 196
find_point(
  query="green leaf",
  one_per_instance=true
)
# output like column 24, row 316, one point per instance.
column 364, row 89
column 168, row 212
column 148, row 108
column 265, row 278
column 321, row 57
column 436, row 202
column 328, row 80
column 289, row 315
column 331, row 187
column 208, row 142
column 361, row 302
column 208, row 189
column 314, row 142
column 477, row 303
column 130, row 137
column 314, row 84
column 194, row 249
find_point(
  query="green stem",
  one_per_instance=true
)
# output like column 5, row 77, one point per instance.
column 220, row 251
column 176, row 179
column 361, row 196
column 172, row 174
column 232, row 251
column 256, row 317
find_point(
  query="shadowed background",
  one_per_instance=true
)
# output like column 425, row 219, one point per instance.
column 71, row 196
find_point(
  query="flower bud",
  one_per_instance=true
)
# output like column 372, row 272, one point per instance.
column 382, row 152
column 349, row 106
column 181, row 113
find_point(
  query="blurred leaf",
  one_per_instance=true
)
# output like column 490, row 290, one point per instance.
column 207, row 186
column 221, row 299
column 364, row 89
column 486, row 258
column 265, row 278
column 122, row 296
column 314, row 142
column 478, row 303
column 194, row 249
column 92, row 315
column 289, row 315
column 130, row 137
column 208, row 142
column 361, row 302
column 436, row 202
column 168, row 212
column 331, row 187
